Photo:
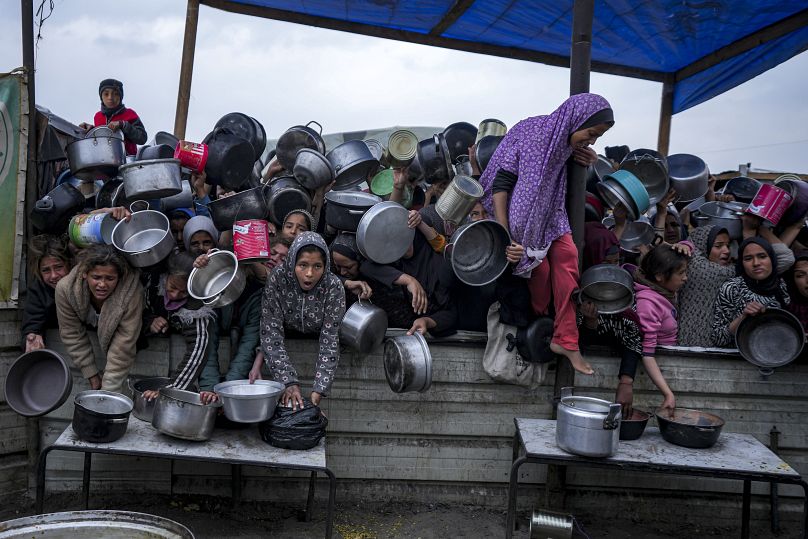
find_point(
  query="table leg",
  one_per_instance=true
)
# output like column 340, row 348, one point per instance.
column 512, row 488
column 85, row 485
column 747, row 502
column 235, row 483
column 40, row 479
column 332, row 498
column 310, row 500
column 804, row 486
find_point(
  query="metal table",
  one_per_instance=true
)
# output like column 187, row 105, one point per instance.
column 234, row 447
column 735, row 456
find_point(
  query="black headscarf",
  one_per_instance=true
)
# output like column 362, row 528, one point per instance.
column 603, row 116
column 770, row 286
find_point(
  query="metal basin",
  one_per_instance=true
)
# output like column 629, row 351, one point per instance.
column 182, row 415
column 249, row 403
column 476, row 252
column 363, row 327
column 101, row 524
column 219, row 283
column 408, row 363
column 609, row 287
column 383, row 235
column 770, row 339
column 689, row 428
column 38, row 382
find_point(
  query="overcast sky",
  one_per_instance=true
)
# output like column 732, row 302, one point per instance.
column 285, row 74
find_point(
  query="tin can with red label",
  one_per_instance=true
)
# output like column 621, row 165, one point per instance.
column 251, row 240
column 192, row 155
column 770, row 203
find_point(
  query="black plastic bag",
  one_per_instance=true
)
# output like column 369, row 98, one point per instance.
column 294, row 429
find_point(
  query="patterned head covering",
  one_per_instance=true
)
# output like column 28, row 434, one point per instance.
column 536, row 151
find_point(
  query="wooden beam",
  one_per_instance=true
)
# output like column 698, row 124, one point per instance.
column 454, row 13
column 426, row 39
column 665, row 117
column 769, row 33
column 186, row 69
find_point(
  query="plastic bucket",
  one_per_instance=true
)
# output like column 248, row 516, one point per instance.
column 770, row 203
column 91, row 228
column 251, row 240
column 192, row 155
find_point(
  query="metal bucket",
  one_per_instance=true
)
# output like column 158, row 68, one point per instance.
column 458, row 199
column 91, row 228
column 251, row 240
column 96, row 523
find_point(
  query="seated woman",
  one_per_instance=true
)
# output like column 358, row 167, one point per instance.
column 101, row 293
column 50, row 262
column 662, row 272
column 797, row 281
column 169, row 309
column 302, row 295
column 757, row 286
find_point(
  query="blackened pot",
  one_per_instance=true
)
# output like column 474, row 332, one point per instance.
column 689, row 428
column 101, row 416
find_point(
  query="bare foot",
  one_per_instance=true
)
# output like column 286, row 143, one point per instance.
column 574, row 356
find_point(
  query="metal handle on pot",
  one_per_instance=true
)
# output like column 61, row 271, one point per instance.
column 132, row 206
column 129, row 385
column 612, row 421
column 317, row 124
column 437, row 142
column 356, row 212
column 118, row 420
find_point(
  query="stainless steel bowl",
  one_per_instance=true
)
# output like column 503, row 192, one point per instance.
column 609, row 287
column 249, row 403
column 219, row 283
column 477, row 252
column 408, row 363
column 636, row 234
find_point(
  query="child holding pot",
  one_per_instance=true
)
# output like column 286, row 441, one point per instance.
column 116, row 116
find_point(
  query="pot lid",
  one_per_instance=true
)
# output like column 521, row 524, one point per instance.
column 352, row 199
column 383, row 235
column 104, row 402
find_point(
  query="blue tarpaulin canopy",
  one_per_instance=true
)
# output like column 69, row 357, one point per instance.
column 701, row 47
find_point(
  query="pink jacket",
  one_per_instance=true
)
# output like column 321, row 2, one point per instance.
column 657, row 319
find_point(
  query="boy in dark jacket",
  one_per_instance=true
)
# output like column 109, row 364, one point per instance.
column 115, row 115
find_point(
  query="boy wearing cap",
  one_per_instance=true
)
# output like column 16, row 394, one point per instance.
column 115, row 115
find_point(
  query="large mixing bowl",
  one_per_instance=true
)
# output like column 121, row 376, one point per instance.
column 249, row 403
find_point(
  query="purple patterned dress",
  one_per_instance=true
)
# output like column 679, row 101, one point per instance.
column 536, row 150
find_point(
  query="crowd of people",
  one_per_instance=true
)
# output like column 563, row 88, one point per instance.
column 693, row 287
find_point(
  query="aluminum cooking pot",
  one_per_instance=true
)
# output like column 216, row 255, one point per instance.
column 181, row 414
column 52, row 212
column 312, row 169
column 248, row 204
column 183, row 199
column 638, row 233
column 587, row 426
column 408, row 363
column 688, row 175
column 101, row 416
column 94, row 523
column 344, row 209
column 295, row 139
column 486, row 147
column 609, row 287
column 247, row 128
column 458, row 199
column 230, row 159
column 476, row 252
column 383, row 235
column 37, row 383
column 144, row 409
column 651, row 168
column 353, row 164
column 145, row 239
column 742, row 188
column 246, row 402
column 770, row 339
column 434, row 159
column 96, row 157
column 723, row 215
column 363, row 327
column 285, row 194
column 460, row 136
column 156, row 178
column 219, row 283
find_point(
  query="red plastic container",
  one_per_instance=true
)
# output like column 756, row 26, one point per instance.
column 192, row 155
column 770, row 203
column 251, row 240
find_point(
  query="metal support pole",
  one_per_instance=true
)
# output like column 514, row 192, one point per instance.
column 186, row 69
column 27, row 11
column 85, row 483
column 665, row 117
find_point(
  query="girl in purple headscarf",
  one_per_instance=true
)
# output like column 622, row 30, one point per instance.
column 525, row 189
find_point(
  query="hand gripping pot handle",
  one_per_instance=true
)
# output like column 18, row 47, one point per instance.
column 216, row 297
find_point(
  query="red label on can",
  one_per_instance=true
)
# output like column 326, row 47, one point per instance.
column 192, row 155
column 251, row 239
column 770, row 203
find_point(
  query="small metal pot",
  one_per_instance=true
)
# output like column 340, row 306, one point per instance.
column 689, row 428
column 156, row 178
column 244, row 402
column 285, row 194
column 183, row 199
column 181, row 414
column 651, row 168
column 353, row 164
column 587, row 426
column 689, row 176
column 96, row 157
column 344, row 209
column 37, row 383
column 145, row 239
column 638, row 233
column 383, row 235
column 609, row 287
column 460, row 136
column 248, row 204
column 219, row 283
column 722, row 215
column 458, row 199
column 144, row 409
column 363, row 327
column 230, row 159
column 312, row 169
column 476, row 252
column 295, row 139
column 434, row 159
column 408, row 363
column 100, row 416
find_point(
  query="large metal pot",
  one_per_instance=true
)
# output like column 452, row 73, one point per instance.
column 434, row 159
column 460, row 136
column 458, row 199
column 248, row 204
column 145, row 239
column 99, row 523
column 96, row 157
column 144, row 409
column 587, row 426
column 363, row 327
column 408, row 363
column 295, row 139
column 156, row 178
column 181, row 414
column 383, row 235
column 230, row 159
column 344, row 209
column 689, row 428
column 219, row 283
column 37, row 383
column 246, row 402
column 609, row 287
column 689, row 176
column 52, row 212
column 723, row 215
column 353, row 164
column 183, row 199
column 285, row 194
column 247, row 128
column 770, row 339
column 651, row 168
column 101, row 416
column 476, row 252
column 312, row 169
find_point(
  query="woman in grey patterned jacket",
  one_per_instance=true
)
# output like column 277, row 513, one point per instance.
column 303, row 295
